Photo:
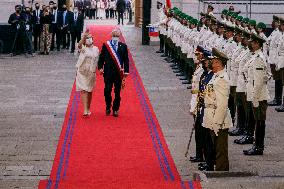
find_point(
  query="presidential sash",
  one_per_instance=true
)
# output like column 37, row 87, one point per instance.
column 115, row 58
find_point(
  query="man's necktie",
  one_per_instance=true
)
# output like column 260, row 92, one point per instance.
column 64, row 16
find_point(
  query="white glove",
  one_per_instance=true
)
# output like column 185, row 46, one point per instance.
column 276, row 67
column 255, row 104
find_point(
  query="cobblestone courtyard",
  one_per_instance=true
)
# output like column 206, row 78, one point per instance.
column 34, row 95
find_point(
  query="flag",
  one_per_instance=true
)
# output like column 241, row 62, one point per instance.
column 169, row 4
column 153, row 32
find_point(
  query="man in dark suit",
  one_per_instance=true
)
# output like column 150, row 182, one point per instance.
column 76, row 27
column 55, row 28
column 63, row 22
column 17, row 28
column 36, row 26
column 120, row 7
column 113, row 74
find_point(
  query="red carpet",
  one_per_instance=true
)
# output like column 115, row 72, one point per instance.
column 106, row 152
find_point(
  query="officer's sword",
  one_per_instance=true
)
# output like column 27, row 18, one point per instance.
column 189, row 141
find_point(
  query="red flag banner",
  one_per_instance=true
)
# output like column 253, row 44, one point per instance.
column 169, row 4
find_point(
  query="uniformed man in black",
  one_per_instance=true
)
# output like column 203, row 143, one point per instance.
column 17, row 28
column 36, row 26
column 199, row 129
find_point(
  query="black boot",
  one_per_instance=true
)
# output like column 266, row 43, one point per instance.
column 262, row 135
column 246, row 139
column 278, row 94
column 241, row 120
column 237, row 132
column 280, row 108
column 257, row 148
column 253, row 151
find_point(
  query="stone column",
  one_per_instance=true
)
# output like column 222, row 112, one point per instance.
column 138, row 13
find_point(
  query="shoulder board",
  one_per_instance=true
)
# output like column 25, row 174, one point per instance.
column 259, row 68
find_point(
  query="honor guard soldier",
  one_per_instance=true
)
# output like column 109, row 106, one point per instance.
column 260, row 30
column 272, row 42
column 241, row 60
column 210, row 10
column 257, row 92
column 224, row 15
column 244, row 24
column 239, row 20
column 217, row 116
column 228, row 18
column 161, row 23
column 220, row 41
column 196, row 79
column 200, row 131
column 233, row 18
column 280, row 59
column 169, row 14
column 251, row 26
column 210, row 42
column 232, row 70
column 170, row 23
column 228, row 49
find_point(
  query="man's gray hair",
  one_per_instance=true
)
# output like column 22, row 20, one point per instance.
column 116, row 32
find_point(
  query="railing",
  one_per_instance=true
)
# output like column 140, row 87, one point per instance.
column 249, row 8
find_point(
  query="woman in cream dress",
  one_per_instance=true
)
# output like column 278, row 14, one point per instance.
column 86, row 70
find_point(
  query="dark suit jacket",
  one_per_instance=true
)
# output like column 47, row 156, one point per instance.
column 106, row 61
column 79, row 4
column 120, row 5
column 76, row 25
column 68, row 19
column 35, row 19
column 14, row 20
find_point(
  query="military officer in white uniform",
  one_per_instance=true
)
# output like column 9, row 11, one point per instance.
column 272, row 42
column 241, row 60
column 280, row 59
column 257, row 92
column 228, row 49
column 217, row 116
column 161, row 22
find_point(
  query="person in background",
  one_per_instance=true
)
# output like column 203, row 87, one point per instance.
column 80, row 5
column 93, row 9
column 76, row 27
column 114, row 10
column 36, row 26
column 86, row 71
column 210, row 9
column 55, row 28
column 15, row 19
column 45, row 21
column 280, row 59
column 111, row 8
column 100, row 9
column 272, row 41
column 107, row 9
column 120, row 7
column 87, row 5
column 63, row 24
column 28, row 18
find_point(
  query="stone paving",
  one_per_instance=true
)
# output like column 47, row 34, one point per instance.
column 34, row 96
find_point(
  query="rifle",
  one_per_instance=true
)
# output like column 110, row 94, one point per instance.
column 189, row 141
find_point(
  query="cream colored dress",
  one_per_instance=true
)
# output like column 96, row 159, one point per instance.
column 86, row 69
